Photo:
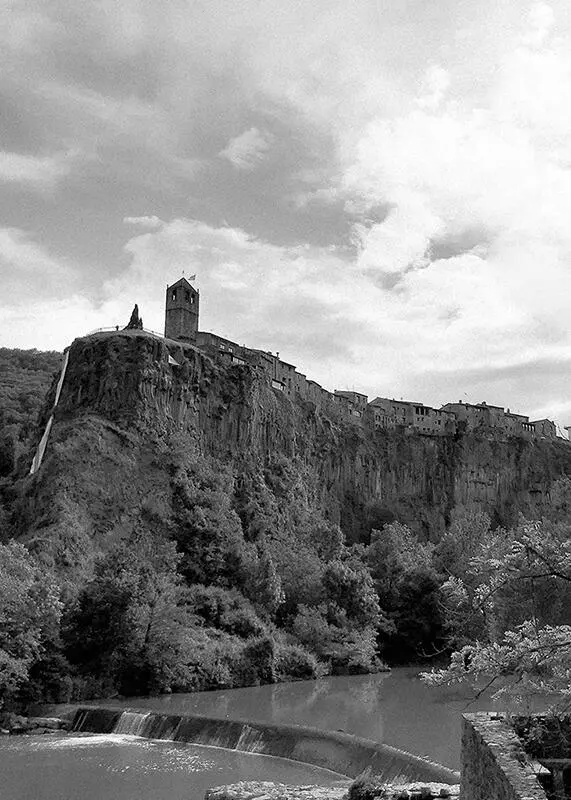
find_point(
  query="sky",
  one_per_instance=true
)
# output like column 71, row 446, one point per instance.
column 379, row 190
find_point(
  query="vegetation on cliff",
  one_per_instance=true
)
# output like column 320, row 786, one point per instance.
column 231, row 549
column 25, row 376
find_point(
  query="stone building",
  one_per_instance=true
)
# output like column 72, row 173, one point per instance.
column 217, row 345
column 545, row 428
column 477, row 415
column 391, row 413
column 354, row 404
column 181, row 311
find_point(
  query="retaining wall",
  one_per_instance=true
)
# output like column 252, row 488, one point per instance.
column 494, row 764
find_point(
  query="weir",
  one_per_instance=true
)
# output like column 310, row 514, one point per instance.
column 339, row 752
column 132, row 722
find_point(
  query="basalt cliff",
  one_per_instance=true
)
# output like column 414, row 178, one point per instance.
column 130, row 402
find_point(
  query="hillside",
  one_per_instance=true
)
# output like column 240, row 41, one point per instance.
column 237, row 508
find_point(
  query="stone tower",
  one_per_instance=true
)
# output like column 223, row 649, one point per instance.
column 181, row 311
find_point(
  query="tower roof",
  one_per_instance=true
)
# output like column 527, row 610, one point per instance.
column 182, row 282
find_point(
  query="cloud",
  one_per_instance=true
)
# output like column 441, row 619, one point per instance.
column 151, row 223
column 491, row 176
column 541, row 19
column 39, row 172
column 248, row 150
column 434, row 88
column 28, row 271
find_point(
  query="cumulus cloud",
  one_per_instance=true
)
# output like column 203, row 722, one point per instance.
column 450, row 172
column 150, row 223
column 248, row 150
column 541, row 19
column 27, row 269
column 39, row 172
column 434, row 88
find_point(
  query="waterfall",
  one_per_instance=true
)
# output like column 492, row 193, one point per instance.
column 80, row 719
column 250, row 740
column 131, row 722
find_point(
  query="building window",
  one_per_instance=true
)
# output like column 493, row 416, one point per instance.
column 173, row 297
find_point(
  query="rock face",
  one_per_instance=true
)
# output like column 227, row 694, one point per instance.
column 127, row 394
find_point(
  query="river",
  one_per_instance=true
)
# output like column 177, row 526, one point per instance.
column 395, row 708
column 119, row 767
column 392, row 707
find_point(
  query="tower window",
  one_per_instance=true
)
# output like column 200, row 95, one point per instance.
column 187, row 295
column 173, row 294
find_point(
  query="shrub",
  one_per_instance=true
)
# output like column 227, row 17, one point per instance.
column 293, row 662
column 225, row 609
column 258, row 659
column 367, row 787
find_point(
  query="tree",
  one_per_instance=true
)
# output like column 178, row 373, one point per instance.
column 407, row 585
column 207, row 529
column 349, row 585
column 30, row 611
column 7, row 454
column 519, row 585
column 130, row 627
column 269, row 595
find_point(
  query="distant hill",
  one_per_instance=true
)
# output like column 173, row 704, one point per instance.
column 25, row 377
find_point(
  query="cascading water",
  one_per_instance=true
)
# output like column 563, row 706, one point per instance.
column 132, row 722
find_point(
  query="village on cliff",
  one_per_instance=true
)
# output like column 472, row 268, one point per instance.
column 382, row 413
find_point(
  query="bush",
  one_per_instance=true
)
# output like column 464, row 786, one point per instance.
column 258, row 660
column 367, row 787
column 225, row 609
column 293, row 662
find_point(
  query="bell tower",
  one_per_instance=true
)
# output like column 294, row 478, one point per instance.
column 181, row 311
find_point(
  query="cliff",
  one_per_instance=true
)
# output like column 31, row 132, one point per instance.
column 130, row 402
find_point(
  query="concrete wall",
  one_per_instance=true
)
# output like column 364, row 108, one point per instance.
column 494, row 765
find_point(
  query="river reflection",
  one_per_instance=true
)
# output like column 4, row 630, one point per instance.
column 395, row 708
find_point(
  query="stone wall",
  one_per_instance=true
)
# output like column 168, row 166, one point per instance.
column 494, row 765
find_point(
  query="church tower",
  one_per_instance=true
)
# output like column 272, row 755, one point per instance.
column 181, row 311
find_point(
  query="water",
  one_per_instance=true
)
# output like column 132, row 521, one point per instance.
column 395, row 708
column 123, row 767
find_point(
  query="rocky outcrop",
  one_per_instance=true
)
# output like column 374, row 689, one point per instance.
column 15, row 724
column 265, row 790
